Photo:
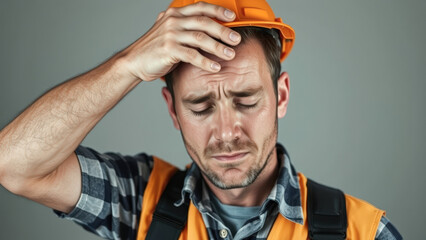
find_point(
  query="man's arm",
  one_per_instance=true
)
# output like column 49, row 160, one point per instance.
column 37, row 158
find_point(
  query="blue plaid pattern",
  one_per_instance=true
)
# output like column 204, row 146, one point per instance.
column 113, row 186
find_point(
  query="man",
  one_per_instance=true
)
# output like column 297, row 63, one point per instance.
column 224, row 94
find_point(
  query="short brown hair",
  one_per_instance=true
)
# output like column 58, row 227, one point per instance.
column 271, row 45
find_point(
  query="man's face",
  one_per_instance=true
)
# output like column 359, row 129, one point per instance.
column 228, row 120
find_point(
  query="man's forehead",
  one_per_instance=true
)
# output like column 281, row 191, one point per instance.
column 247, row 70
column 204, row 95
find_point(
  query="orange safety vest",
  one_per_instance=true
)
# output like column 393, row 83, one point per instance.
column 363, row 218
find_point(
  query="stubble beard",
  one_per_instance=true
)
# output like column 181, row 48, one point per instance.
column 235, row 145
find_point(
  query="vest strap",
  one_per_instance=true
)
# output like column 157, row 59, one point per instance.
column 326, row 212
column 168, row 220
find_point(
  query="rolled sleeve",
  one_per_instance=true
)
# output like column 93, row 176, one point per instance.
column 112, row 192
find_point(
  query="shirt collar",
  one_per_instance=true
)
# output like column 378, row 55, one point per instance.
column 285, row 193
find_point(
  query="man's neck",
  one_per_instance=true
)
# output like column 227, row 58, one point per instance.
column 254, row 194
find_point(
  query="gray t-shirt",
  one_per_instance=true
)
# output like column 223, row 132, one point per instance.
column 234, row 217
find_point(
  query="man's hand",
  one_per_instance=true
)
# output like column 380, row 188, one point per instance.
column 177, row 36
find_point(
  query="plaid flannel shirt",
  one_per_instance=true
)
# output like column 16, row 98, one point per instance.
column 113, row 186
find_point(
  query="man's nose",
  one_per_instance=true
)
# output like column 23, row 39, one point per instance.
column 227, row 125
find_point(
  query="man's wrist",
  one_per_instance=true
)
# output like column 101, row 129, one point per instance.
column 120, row 69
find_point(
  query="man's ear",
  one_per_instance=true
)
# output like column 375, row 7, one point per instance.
column 169, row 101
column 283, row 91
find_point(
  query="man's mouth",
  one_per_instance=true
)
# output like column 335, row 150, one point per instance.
column 229, row 156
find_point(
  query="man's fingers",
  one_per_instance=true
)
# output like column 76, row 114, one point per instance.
column 207, row 9
column 204, row 42
column 160, row 15
column 180, row 35
column 192, row 56
column 212, row 28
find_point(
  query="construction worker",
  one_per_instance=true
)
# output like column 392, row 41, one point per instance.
column 225, row 91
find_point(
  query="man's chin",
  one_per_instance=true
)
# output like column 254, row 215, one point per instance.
column 231, row 179
column 228, row 186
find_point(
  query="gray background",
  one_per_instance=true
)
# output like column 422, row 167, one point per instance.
column 356, row 118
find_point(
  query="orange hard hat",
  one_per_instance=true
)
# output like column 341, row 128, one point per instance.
column 256, row 13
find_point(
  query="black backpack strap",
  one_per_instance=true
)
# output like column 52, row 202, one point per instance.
column 168, row 220
column 326, row 212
